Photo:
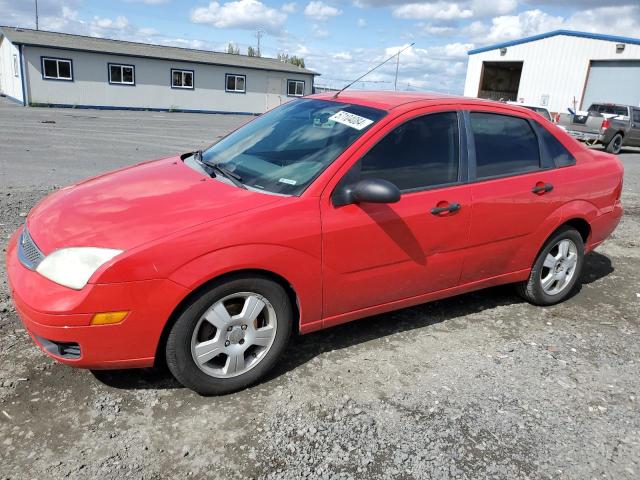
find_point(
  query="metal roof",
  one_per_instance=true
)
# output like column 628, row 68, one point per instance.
column 568, row 33
column 41, row 38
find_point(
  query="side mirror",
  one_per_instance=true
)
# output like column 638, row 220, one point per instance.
column 372, row 190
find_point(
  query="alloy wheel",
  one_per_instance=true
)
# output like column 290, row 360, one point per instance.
column 234, row 335
column 559, row 267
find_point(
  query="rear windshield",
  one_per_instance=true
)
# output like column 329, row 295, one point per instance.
column 609, row 109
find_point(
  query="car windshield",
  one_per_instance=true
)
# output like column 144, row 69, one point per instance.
column 609, row 109
column 285, row 149
column 542, row 111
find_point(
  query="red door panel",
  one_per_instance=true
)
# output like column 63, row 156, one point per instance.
column 375, row 254
column 506, row 212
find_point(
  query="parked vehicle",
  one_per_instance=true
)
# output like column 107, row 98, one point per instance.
column 539, row 109
column 614, row 126
column 319, row 212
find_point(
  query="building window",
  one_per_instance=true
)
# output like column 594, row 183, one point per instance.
column 295, row 88
column 122, row 74
column 15, row 66
column 236, row 83
column 57, row 69
column 182, row 79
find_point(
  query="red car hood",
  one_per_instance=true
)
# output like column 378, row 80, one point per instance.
column 135, row 205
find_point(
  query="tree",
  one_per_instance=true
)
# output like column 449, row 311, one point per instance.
column 252, row 52
column 232, row 49
column 299, row 61
column 294, row 60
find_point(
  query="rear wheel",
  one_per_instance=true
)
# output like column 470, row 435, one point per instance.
column 556, row 270
column 615, row 145
column 230, row 336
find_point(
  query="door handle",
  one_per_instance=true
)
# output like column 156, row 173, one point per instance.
column 452, row 207
column 547, row 187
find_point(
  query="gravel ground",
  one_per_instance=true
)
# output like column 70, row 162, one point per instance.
column 477, row 386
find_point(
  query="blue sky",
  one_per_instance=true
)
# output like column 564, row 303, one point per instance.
column 338, row 38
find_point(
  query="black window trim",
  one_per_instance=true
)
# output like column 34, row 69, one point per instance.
column 545, row 156
column 57, row 59
column 226, row 80
column 545, row 162
column 125, row 84
column 463, row 156
column 183, row 70
column 304, row 87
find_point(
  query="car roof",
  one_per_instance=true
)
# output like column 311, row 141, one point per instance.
column 386, row 100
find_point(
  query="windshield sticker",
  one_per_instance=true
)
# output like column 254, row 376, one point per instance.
column 288, row 181
column 351, row 120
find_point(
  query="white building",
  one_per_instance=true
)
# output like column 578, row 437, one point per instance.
column 561, row 69
column 55, row 69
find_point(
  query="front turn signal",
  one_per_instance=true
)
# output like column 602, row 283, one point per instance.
column 108, row 318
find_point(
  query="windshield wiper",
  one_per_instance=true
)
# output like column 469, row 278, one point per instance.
column 228, row 174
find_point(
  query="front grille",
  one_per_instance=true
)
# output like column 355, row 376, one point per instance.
column 28, row 252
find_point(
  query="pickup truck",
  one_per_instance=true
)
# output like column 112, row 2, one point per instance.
column 611, row 125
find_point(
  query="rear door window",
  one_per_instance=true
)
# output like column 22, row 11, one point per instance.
column 636, row 118
column 504, row 145
column 556, row 152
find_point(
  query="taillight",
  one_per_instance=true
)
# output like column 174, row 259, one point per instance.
column 605, row 124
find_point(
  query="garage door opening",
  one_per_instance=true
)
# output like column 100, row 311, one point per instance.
column 613, row 81
column 500, row 80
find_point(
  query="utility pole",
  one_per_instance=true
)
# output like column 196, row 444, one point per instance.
column 259, row 34
column 37, row 26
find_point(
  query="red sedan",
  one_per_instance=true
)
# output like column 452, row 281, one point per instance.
column 319, row 212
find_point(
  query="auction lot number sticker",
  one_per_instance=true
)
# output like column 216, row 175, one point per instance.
column 351, row 120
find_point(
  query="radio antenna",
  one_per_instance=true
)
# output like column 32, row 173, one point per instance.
column 374, row 68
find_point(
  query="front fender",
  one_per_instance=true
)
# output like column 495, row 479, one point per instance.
column 300, row 269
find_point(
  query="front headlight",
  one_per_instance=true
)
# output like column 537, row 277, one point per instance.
column 73, row 267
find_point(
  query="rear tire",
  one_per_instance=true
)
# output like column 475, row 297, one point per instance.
column 557, row 269
column 230, row 336
column 615, row 145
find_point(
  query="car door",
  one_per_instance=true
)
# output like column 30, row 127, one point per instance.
column 374, row 254
column 515, row 189
column 633, row 137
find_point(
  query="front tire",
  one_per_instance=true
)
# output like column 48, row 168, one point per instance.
column 556, row 270
column 615, row 145
column 230, row 336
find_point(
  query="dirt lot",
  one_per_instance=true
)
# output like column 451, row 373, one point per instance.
column 478, row 386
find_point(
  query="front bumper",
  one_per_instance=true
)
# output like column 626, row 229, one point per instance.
column 53, row 314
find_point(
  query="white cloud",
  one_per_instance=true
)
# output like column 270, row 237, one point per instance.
column 431, row 11
column 320, row 11
column 484, row 8
column 622, row 20
column 291, row 7
column 149, row 2
column 342, row 56
column 243, row 14
column 319, row 32
column 457, row 50
column 362, row 23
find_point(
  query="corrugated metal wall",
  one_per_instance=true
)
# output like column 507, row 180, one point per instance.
column 554, row 68
column 10, row 74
